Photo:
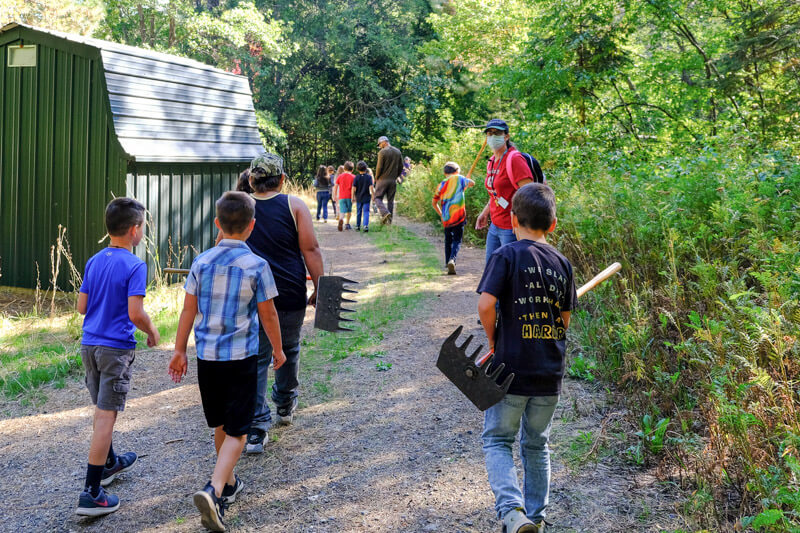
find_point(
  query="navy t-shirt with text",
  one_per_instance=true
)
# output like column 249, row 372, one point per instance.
column 533, row 283
column 111, row 275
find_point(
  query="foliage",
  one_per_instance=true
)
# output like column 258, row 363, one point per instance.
column 71, row 16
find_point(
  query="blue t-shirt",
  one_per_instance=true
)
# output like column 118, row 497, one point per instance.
column 111, row 275
column 533, row 283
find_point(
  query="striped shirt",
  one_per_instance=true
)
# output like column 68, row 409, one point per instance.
column 451, row 194
column 228, row 280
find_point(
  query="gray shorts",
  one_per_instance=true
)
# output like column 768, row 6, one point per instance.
column 108, row 375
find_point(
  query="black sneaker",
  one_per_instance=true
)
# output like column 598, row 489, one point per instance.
column 255, row 441
column 100, row 505
column 358, row 228
column 366, row 229
column 286, row 413
column 347, row 226
column 211, row 508
column 229, row 492
column 124, row 463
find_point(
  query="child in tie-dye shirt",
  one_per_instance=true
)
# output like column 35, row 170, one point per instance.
column 450, row 194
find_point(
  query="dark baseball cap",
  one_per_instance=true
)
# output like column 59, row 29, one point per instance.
column 497, row 124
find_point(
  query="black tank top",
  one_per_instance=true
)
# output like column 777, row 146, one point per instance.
column 275, row 239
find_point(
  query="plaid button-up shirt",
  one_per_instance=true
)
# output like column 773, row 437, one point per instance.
column 228, row 280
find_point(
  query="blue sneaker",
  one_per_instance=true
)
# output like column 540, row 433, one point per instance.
column 211, row 508
column 124, row 463
column 101, row 505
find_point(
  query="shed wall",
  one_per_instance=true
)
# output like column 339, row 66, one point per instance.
column 60, row 163
column 180, row 198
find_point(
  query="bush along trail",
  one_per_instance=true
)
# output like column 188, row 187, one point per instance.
column 381, row 441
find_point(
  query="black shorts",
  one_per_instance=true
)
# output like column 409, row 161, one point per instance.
column 228, row 391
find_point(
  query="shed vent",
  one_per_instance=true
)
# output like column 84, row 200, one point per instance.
column 22, row 56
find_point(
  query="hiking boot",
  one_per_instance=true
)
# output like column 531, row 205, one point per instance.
column 211, row 508
column 124, row 463
column 515, row 521
column 255, row 441
column 387, row 219
column 229, row 492
column 451, row 267
column 99, row 505
column 341, row 224
column 286, row 414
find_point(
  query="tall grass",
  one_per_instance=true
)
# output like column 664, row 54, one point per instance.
column 700, row 333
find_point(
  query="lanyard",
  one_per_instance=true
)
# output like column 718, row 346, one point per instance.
column 494, row 171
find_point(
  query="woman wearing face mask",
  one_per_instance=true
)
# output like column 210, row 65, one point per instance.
column 501, row 185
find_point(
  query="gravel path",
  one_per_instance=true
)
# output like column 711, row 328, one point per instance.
column 374, row 451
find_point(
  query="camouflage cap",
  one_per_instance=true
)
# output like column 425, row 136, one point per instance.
column 271, row 163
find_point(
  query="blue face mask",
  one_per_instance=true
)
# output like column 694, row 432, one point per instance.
column 495, row 141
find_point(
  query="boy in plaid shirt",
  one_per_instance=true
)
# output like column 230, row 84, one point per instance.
column 228, row 290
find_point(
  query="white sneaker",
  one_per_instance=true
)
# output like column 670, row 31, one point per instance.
column 451, row 268
column 515, row 521
column 285, row 415
column 255, row 441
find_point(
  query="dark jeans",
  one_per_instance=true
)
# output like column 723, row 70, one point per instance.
column 284, row 390
column 323, row 197
column 362, row 214
column 452, row 241
column 385, row 188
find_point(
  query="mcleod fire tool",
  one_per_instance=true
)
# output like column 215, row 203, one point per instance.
column 473, row 380
column 472, row 375
column 330, row 296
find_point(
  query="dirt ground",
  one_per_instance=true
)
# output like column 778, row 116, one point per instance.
column 382, row 451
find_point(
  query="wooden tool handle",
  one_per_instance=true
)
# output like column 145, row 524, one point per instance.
column 183, row 271
column 472, row 168
column 598, row 279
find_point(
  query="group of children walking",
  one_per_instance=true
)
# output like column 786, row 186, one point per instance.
column 527, row 292
column 343, row 189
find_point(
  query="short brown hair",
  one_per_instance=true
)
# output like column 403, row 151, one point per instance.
column 348, row 166
column 235, row 210
column 535, row 206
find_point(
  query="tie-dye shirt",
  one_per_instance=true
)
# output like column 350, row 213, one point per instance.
column 451, row 194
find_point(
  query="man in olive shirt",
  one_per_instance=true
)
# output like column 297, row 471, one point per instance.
column 387, row 174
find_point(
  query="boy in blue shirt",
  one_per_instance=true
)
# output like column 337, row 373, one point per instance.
column 228, row 289
column 534, row 286
column 363, row 189
column 112, row 298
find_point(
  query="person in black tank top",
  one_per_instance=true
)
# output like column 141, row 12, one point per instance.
column 284, row 236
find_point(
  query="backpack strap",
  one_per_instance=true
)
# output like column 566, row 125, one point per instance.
column 508, row 169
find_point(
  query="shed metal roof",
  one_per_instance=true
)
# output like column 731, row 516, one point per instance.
column 168, row 108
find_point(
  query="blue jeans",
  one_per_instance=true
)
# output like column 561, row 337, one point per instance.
column 496, row 238
column 323, row 197
column 452, row 241
column 501, row 425
column 284, row 390
column 362, row 214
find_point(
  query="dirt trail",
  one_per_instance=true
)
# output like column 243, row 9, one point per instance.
column 397, row 450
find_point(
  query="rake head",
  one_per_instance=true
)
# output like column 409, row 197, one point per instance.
column 330, row 295
column 473, row 380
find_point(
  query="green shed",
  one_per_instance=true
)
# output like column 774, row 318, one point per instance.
column 83, row 121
